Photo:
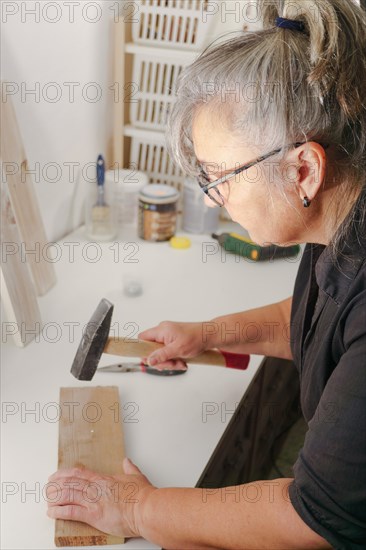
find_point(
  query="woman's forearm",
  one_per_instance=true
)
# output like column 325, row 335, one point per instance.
column 261, row 331
column 257, row 515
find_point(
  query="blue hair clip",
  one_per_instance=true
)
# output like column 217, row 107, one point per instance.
column 291, row 24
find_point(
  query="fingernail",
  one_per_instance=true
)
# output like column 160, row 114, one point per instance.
column 152, row 361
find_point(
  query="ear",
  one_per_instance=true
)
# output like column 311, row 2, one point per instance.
column 311, row 164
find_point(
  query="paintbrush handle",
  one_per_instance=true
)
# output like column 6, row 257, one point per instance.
column 143, row 348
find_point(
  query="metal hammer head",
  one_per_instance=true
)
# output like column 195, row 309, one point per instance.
column 93, row 342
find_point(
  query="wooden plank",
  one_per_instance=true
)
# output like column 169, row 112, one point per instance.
column 90, row 435
column 23, row 198
column 23, row 318
column 119, row 92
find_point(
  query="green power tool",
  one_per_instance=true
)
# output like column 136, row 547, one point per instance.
column 240, row 245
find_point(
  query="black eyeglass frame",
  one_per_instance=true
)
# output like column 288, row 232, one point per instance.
column 207, row 186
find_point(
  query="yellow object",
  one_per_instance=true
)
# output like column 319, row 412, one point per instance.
column 180, row 242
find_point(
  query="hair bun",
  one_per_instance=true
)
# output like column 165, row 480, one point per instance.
column 334, row 32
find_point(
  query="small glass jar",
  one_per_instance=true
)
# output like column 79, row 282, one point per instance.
column 100, row 216
column 126, row 184
column 158, row 212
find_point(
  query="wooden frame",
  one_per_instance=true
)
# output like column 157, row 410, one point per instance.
column 17, row 290
column 23, row 198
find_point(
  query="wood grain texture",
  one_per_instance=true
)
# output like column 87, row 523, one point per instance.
column 142, row 348
column 119, row 81
column 23, row 318
column 90, row 436
column 23, row 199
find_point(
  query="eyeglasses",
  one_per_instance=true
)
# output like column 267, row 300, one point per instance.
column 210, row 188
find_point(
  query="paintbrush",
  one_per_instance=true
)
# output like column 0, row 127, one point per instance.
column 101, row 212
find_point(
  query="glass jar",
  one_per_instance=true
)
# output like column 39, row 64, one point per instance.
column 158, row 212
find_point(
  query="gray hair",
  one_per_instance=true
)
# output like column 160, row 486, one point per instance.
column 307, row 86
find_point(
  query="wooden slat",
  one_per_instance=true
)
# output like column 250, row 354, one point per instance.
column 23, row 318
column 119, row 82
column 95, row 445
column 23, row 198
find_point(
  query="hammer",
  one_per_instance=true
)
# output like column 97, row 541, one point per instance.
column 96, row 340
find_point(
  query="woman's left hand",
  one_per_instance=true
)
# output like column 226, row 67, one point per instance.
column 112, row 504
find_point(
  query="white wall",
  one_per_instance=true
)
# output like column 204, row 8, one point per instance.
column 60, row 42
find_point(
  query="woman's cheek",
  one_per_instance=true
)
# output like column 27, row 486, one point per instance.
column 244, row 215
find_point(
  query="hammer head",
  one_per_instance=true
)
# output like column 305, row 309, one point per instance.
column 93, row 342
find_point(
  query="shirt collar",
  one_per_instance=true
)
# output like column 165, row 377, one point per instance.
column 334, row 274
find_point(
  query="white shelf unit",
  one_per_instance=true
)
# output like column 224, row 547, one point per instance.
column 149, row 154
column 154, row 75
column 171, row 23
column 167, row 35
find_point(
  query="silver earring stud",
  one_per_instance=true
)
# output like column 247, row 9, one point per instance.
column 306, row 202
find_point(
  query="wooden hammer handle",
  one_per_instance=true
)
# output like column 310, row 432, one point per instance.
column 143, row 348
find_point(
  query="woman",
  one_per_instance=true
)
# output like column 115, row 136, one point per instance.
column 305, row 128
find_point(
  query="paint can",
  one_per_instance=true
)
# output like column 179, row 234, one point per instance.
column 157, row 212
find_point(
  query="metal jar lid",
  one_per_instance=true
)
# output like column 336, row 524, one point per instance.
column 158, row 193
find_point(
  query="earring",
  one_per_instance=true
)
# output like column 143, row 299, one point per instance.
column 306, row 202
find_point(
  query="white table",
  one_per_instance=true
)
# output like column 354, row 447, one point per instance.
column 166, row 430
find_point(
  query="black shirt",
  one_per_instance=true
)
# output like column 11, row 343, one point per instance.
column 328, row 342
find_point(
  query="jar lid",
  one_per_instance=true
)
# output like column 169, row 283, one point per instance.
column 159, row 192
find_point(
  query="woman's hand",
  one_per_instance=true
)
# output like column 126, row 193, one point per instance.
column 112, row 504
column 181, row 340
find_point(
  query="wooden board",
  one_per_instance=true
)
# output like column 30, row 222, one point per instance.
column 119, row 91
column 97, row 445
column 23, row 198
column 23, row 318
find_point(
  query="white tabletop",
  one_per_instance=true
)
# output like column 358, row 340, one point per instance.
column 168, row 432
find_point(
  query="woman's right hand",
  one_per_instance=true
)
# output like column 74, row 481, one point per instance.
column 181, row 341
